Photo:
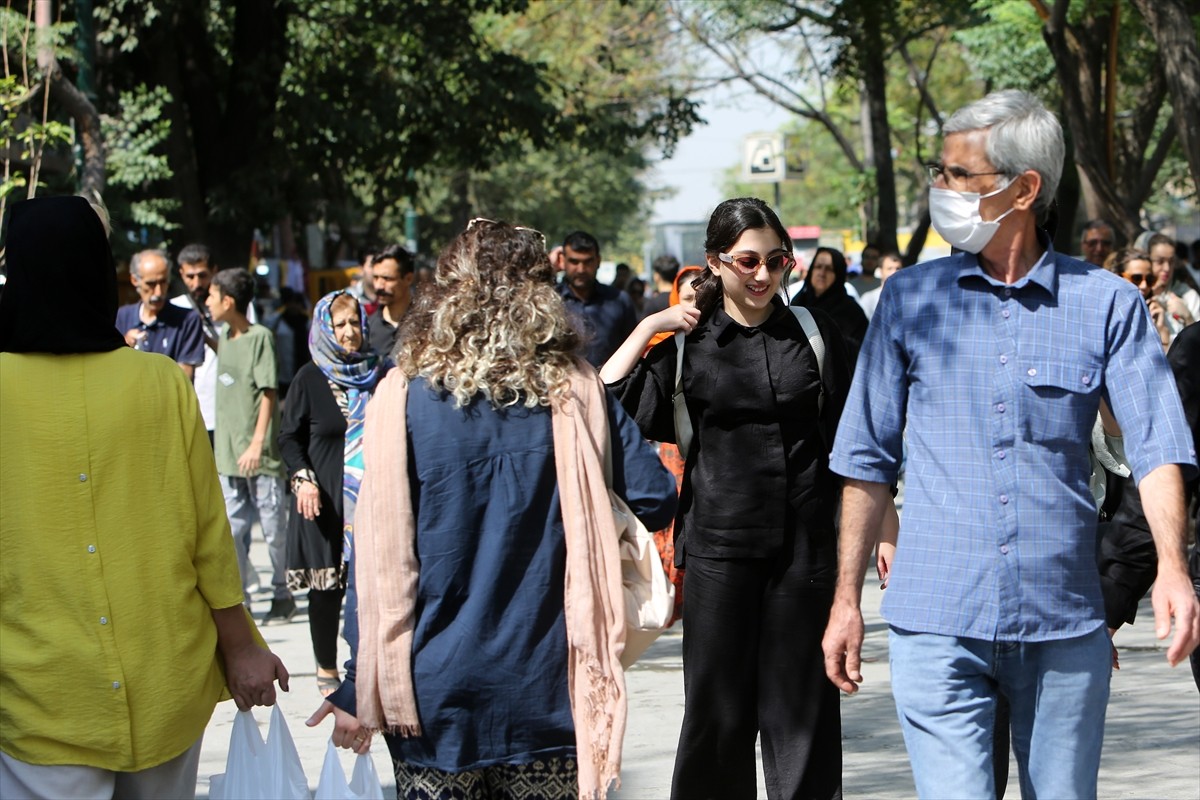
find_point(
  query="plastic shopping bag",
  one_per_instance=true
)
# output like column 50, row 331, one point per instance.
column 364, row 782
column 258, row 770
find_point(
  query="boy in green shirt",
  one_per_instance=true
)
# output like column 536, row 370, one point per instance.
column 247, row 454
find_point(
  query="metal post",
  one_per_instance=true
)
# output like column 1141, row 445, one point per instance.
column 410, row 229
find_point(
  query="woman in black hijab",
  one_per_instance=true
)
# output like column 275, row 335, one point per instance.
column 61, row 294
column 825, row 288
column 78, row 402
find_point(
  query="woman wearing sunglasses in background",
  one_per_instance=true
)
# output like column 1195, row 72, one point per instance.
column 755, row 524
column 825, row 289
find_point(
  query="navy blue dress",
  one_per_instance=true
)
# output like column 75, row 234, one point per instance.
column 490, row 647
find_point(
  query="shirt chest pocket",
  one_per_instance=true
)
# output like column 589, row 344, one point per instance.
column 1061, row 400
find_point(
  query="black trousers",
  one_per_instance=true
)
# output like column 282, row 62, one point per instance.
column 324, row 614
column 752, row 663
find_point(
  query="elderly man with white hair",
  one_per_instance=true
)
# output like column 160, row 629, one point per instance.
column 996, row 360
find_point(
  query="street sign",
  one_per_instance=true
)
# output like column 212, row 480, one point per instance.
column 763, row 158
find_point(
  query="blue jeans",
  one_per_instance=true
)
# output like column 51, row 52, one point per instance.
column 945, row 689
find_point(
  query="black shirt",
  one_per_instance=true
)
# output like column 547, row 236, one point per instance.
column 380, row 333
column 757, row 480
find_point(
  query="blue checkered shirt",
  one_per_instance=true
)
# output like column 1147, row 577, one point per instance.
column 999, row 386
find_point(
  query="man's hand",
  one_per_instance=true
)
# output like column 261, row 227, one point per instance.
column 249, row 461
column 885, row 553
column 347, row 732
column 133, row 336
column 308, row 500
column 1174, row 597
column 250, row 673
column 843, row 646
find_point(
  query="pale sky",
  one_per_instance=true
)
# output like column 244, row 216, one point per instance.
column 696, row 170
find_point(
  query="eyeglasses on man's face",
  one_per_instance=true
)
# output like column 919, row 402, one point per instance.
column 953, row 176
column 748, row 263
column 1097, row 242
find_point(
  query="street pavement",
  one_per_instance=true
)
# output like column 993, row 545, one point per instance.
column 1151, row 746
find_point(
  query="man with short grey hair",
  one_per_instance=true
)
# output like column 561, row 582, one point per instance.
column 990, row 365
column 154, row 325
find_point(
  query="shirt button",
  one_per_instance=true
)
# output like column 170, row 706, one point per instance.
column 82, row 477
column 1032, row 372
column 1087, row 379
column 1004, row 549
column 1005, row 313
column 104, row 620
column 1008, row 292
column 1003, row 499
column 116, row 684
column 1000, row 454
column 1003, row 359
column 999, row 408
column 91, row 548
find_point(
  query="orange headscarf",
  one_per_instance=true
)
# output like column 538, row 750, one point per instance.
column 658, row 337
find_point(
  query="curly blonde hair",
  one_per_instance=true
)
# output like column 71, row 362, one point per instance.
column 492, row 322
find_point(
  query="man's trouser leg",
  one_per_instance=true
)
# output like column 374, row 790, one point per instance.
column 1059, row 694
column 946, row 700
column 272, row 505
column 175, row 779
column 241, row 513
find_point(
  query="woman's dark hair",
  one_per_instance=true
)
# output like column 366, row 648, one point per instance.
column 729, row 221
column 1119, row 259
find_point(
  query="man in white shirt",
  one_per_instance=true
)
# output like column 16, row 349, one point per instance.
column 889, row 265
column 197, row 273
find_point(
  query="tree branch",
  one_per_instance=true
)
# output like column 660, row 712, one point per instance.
column 87, row 120
column 922, row 82
column 1153, row 164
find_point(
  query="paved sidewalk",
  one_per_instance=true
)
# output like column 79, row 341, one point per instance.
column 1151, row 747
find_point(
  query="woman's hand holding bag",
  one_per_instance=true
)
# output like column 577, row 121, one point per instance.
column 364, row 782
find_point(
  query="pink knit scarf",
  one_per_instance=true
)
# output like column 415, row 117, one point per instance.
column 386, row 575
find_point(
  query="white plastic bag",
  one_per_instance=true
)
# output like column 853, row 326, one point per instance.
column 364, row 782
column 258, row 770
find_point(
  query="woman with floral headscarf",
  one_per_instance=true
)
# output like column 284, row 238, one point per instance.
column 321, row 441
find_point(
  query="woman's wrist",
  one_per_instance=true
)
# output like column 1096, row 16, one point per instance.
column 301, row 477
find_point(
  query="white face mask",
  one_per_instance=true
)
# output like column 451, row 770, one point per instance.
column 955, row 215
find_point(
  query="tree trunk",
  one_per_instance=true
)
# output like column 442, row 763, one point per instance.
column 181, row 147
column 920, row 233
column 1067, row 201
column 1078, row 52
column 75, row 103
column 1175, row 37
column 877, row 132
column 87, row 121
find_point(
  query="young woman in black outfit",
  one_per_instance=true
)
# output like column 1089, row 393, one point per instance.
column 755, row 527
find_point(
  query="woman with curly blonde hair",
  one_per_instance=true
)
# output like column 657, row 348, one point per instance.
column 489, row 587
